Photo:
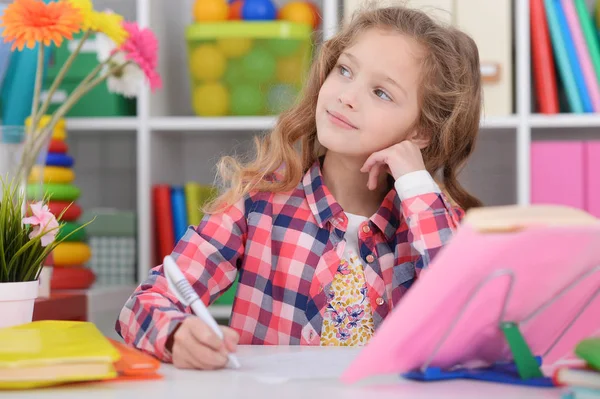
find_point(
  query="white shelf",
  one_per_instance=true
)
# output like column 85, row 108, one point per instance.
column 192, row 123
column 124, row 124
column 565, row 120
column 499, row 122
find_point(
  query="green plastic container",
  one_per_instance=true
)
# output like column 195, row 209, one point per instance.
column 98, row 102
column 240, row 68
column 83, row 64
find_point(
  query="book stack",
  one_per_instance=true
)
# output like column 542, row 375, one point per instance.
column 582, row 382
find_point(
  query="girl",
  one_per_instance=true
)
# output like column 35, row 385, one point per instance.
column 338, row 214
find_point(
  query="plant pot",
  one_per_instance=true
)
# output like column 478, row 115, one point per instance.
column 17, row 301
column 45, row 279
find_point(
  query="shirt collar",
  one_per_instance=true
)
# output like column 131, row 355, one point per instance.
column 324, row 207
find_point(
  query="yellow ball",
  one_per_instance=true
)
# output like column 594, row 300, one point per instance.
column 234, row 47
column 207, row 62
column 210, row 99
column 210, row 10
column 290, row 70
column 299, row 12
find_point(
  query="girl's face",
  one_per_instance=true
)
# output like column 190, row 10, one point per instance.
column 369, row 100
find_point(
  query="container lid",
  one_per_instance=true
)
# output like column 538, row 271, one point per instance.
column 258, row 30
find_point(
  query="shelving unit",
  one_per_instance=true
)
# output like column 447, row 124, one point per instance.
column 169, row 142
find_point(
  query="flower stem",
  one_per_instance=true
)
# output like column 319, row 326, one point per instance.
column 61, row 74
column 37, row 88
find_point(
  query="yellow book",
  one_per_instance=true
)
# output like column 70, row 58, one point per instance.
column 192, row 201
column 49, row 352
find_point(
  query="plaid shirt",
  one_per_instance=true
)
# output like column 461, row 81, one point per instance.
column 285, row 249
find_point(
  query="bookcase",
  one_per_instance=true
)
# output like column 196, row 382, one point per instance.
column 172, row 146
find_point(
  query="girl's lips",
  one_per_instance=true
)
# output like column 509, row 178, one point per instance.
column 340, row 120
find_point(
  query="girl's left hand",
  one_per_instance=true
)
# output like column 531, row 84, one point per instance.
column 398, row 160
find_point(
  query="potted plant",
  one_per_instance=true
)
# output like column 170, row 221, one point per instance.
column 127, row 56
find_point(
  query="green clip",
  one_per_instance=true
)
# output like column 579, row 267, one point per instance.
column 526, row 363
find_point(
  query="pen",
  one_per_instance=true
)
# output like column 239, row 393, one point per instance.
column 188, row 296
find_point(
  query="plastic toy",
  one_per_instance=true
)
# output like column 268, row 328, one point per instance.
column 289, row 70
column 246, row 99
column 256, row 10
column 207, row 62
column 234, row 47
column 300, row 12
column 259, row 65
column 235, row 10
column 234, row 74
column 211, row 99
column 210, row 10
column 283, row 47
column 280, row 98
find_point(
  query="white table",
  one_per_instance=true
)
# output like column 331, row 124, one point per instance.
column 238, row 384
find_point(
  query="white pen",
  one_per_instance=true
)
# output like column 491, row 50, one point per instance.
column 186, row 295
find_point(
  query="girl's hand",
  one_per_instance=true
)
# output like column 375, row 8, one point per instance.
column 196, row 346
column 398, row 160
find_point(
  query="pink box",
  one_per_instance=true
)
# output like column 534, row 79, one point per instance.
column 558, row 173
column 592, row 177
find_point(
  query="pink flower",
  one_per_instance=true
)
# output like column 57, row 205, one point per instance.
column 44, row 221
column 142, row 47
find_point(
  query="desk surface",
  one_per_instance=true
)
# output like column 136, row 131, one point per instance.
column 225, row 384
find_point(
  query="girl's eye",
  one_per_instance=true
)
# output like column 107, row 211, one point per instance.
column 382, row 94
column 344, row 71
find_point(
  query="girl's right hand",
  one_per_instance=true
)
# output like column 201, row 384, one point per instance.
column 196, row 346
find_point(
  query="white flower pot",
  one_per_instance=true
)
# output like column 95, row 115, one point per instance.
column 16, row 302
column 45, row 279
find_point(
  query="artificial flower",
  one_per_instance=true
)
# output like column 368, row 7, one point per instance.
column 86, row 9
column 111, row 25
column 126, row 80
column 27, row 22
column 44, row 223
column 141, row 47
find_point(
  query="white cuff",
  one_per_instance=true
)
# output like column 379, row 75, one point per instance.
column 415, row 183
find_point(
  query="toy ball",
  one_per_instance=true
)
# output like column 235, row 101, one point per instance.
column 246, row 100
column 290, row 70
column 283, row 47
column 210, row 10
column 234, row 74
column 259, row 10
column 207, row 62
column 235, row 10
column 234, row 47
column 210, row 99
column 299, row 12
column 259, row 65
column 316, row 12
column 280, row 98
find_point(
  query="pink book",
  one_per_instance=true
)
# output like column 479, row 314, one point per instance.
column 592, row 177
column 557, row 173
column 457, row 301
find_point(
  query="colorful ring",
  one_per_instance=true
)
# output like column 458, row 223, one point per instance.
column 72, row 278
column 70, row 227
column 55, row 192
column 58, row 146
column 52, row 174
column 68, row 254
column 58, row 159
column 71, row 210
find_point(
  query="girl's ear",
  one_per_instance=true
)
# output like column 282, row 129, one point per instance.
column 420, row 138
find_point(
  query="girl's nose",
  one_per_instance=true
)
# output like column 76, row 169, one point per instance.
column 348, row 98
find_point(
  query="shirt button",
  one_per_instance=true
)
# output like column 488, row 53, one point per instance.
column 370, row 258
column 366, row 228
column 379, row 301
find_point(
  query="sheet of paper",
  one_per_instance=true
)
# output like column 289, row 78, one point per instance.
column 324, row 363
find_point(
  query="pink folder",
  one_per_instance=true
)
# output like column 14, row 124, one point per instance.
column 557, row 173
column 543, row 261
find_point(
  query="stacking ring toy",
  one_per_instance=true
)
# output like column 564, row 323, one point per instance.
column 71, row 254
column 55, row 192
column 52, row 174
column 72, row 211
column 72, row 278
column 59, row 159
column 58, row 146
column 68, row 228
